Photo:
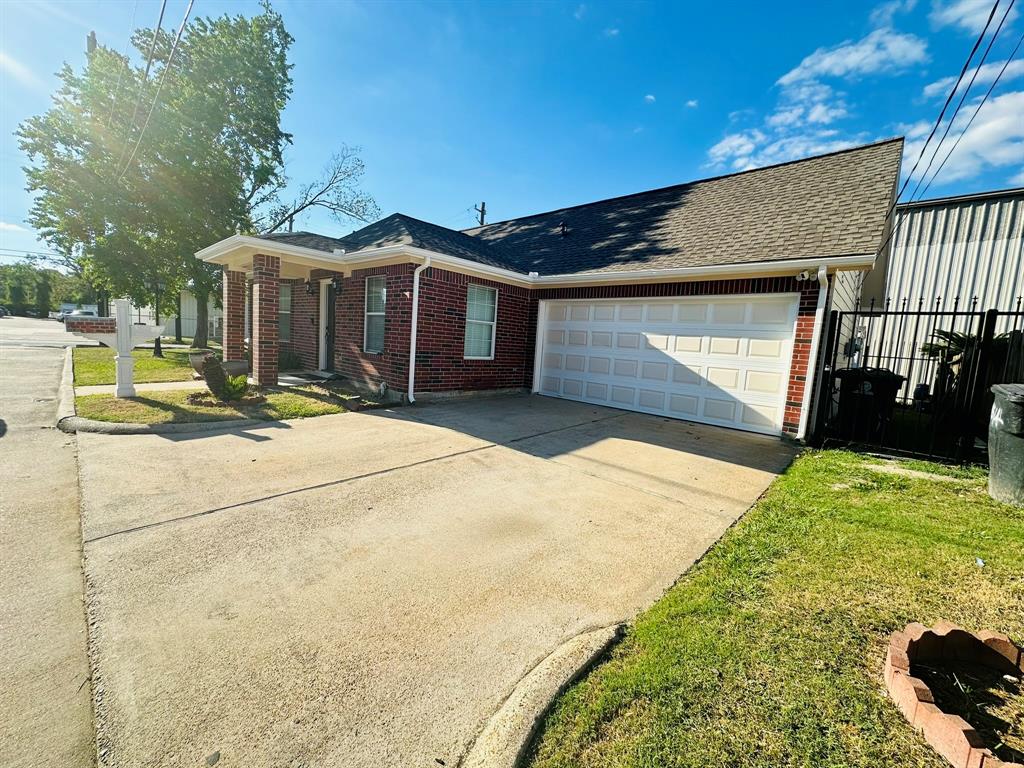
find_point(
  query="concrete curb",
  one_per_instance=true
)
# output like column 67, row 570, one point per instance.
column 508, row 734
column 66, row 389
column 76, row 424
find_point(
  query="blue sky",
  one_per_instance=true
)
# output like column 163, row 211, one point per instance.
column 534, row 106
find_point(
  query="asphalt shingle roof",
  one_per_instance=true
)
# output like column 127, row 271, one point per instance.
column 399, row 229
column 830, row 205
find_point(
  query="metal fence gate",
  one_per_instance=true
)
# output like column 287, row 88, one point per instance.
column 916, row 381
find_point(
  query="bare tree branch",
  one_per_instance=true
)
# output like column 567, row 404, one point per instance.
column 336, row 191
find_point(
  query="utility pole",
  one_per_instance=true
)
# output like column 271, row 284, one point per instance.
column 90, row 42
column 482, row 210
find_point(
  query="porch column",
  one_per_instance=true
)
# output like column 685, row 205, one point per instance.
column 266, row 271
column 234, row 315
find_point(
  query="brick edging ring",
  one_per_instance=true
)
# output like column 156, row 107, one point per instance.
column 949, row 735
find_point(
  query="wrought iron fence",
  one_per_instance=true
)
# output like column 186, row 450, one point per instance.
column 916, row 380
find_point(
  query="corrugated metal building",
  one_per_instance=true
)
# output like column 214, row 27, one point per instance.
column 957, row 254
column 968, row 246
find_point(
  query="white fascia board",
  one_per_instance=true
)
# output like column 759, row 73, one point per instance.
column 245, row 246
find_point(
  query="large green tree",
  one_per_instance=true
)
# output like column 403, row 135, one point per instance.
column 135, row 171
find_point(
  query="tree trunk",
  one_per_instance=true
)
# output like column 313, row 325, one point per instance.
column 201, row 339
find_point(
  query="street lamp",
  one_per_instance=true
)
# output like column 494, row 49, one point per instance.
column 156, row 287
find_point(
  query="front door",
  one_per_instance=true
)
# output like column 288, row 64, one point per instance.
column 327, row 306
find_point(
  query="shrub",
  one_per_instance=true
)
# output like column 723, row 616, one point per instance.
column 223, row 387
column 236, row 387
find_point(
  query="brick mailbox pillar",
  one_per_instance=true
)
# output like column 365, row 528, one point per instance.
column 234, row 315
column 266, row 273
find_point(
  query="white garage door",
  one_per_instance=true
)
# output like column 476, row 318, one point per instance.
column 719, row 360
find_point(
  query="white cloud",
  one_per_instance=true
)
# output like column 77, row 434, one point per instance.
column 994, row 141
column 6, row 226
column 969, row 15
column 611, row 32
column 736, row 146
column 753, row 149
column 1017, row 179
column 649, row 98
column 882, row 15
column 988, row 73
column 823, row 114
column 692, row 103
column 882, row 50
column 580, row 12
column 785, row 116
column 20, row 73
column 638, row 129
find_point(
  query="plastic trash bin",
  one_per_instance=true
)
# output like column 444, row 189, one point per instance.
column 1006, row 444
column 867, row 397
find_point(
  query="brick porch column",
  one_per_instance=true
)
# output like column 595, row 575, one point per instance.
column 266, row 271
column 234, row 315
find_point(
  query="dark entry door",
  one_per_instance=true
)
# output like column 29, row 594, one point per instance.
column 328, row 339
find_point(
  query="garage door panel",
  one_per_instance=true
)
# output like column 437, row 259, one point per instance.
column 720, row 361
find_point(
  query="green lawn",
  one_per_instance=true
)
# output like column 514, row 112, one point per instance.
column 173, row 406
column 769, row 651
column 95, row 365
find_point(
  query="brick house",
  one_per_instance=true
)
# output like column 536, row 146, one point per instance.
column 702, row 301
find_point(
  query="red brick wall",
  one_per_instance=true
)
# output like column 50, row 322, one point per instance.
column 804, row 326
column 440, row 366
column 305, row 324
column 266, row 271
column 391, row 365
column 233, row 339
column 90, row 324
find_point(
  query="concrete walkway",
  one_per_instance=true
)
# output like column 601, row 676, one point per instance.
column 367, row 589
column 45, row 709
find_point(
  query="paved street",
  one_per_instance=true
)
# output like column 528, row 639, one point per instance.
column 45, row 709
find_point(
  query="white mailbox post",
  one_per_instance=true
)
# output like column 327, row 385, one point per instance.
column 126, row 337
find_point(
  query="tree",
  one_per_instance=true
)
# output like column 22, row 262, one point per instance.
column 133, row 175
column 43, row 294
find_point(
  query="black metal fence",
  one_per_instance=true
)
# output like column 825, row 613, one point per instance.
column 916, row 381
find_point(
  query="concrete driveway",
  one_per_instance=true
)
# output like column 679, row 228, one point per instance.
column 367, row 589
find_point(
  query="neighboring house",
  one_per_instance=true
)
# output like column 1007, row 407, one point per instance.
column 189, row 313
column 700, row 301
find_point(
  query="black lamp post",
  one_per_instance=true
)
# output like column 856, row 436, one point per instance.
column 156, row 287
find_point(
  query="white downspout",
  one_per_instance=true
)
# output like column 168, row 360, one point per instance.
column 415, row 322
column 812, row 357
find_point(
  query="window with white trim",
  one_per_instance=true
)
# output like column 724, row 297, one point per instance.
column 373, row 325
column 284, row 312
column 481, row 320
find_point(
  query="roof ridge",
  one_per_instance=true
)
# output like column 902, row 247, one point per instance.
column 856, row 148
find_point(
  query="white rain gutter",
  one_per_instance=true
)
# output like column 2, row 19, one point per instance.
column 812, row 357
column 415, row 323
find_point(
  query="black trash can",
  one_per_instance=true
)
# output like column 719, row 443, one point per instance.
column 1006, row 445
column 867, row 397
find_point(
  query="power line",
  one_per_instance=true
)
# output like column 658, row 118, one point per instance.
column 976, row 111
column 949, row 99
column 963, row 98
column 145, row 77
column 938, row 122
column 120, row 72
column 159, row 87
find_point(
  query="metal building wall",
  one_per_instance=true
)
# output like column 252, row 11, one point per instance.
column 964, row 247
